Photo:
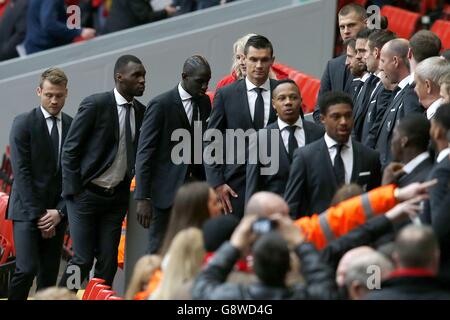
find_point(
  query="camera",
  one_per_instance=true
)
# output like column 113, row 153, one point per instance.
column 263, row 225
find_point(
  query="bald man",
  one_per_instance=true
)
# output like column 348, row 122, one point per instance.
column 158, row 176
column 394, row 63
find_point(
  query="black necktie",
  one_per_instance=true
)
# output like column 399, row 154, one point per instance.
column 195, row 112
column 54, row 135
column 292, row 142
column 339, row 169
column 258, row 119
column 356, row 87
column 129, row 141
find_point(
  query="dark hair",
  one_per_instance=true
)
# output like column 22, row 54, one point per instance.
column 123, row 61
column 283, row 81
column 350, row 42
column 258, row 42
column 424, row 44
column 217, row 230
column 194, row 62
column 442, row 116
column 384, row 22
column 55, row 76
column 353, row 7
column 345, row 192
column 190, row 209
column 332, row 98
column 417, row 128
column 416, row 246
column 271, row 260
column 378, row 38
column 364, row 33
column 446, row 54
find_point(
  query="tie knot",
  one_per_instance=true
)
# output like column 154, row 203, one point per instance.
column 54, row 119
column 339, row 147
column 259, row 90
column 128, row 105
column 291, row 129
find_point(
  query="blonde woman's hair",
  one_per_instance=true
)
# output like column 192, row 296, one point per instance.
column 185, row 257
column 239, row 46
column 55, row 293
column 143, row 270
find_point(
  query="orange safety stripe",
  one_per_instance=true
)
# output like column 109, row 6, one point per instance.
column 153, row 283
column 347, row 215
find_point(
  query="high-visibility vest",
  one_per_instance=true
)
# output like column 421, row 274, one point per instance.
column 347, row 215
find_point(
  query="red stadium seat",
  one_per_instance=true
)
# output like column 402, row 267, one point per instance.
column 5, row 249
column 6, row 226
column 104, row 294
column 442, row 29
column 114, row 298
column 309, row 94
column 96, row 290
column 93, row 282
column 300, row 79
column 402, row 22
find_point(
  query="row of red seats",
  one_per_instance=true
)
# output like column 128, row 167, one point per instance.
column 97, row 290
column 6, row 174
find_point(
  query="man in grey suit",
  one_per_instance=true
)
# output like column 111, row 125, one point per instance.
column 35, row 206
column 292, row 132
column 243, row 105
column 320, row 168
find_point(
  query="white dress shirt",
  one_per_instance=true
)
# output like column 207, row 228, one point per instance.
column 299, row 133
column 116, row 172
column 252, row 95
column 402, row 84
column 346, row 155
column 444, row 153
column 186, row 99
column 410, row 166
column 433, row 108
column 49, row 121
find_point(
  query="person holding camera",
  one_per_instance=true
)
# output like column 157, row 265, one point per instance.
column 271, row 242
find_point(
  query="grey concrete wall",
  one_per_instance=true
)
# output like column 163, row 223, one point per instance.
column 302, row 33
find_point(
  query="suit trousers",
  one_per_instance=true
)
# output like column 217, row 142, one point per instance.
column 95, row 224
column 157, row 229
column 35, row 256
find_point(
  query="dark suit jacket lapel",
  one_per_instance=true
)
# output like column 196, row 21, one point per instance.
column 272, row 113
column 65, row 127
column 328, row 165
column 356, row 161
column 307, row 131
column 179, row 108
column 42, row 127
column 114, row 115
column 393, row 105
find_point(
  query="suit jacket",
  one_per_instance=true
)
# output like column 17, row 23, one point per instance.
column 12, row 28
column 231, row 111
column 419, row 174
column 336, row 77
column 362, row 105
column 405, row 103
column 157, row 176
column 276, row 183
column 312, row 183
column 127, row 14
column 37, row 178
column 93, row 139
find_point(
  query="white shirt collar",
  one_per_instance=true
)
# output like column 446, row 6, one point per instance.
column 410, row 166
column 282, row 124
column 433, row 108
column 365, row 77
column 251, row 86
column 48, row 115
column 444, row 153
column 411, row 78
column 184, row 95
column 120, row 100
column 402, row 84
column 331, row 142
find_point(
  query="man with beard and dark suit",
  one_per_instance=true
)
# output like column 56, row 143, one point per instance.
column 320, row 168
column 35, row 206
column 244, row 105
column 292, row 132
column 395, row 65
column 98, row 166
column 352, row 18
column 158, row 176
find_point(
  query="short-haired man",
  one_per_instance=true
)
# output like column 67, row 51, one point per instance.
column 342, row 160
column 245, row 105
column 394, row 63
column 98, row 165
column 35, row 206
column 427, row 75
column 352, row 18
column 422, row 45
column 158, row 178
column 416, row 256
column 292, row 133
column 444, row 84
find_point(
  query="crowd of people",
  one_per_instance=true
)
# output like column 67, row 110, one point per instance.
column 353, row 204
column 30, row 26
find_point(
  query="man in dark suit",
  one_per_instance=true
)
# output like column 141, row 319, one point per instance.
column 394, row 63
column 243, row 105
column 13, row 28
column 186, row 109
column 352, row 18
column 321, row 167
column 35, row 206
column 380, row 96
column 98, row 165
column 292, row 132
column 126, row 14
column 410, row 141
